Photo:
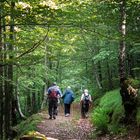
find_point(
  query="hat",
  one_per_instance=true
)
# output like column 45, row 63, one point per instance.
column 69, row 87
column 54, row 83
column 85, row 91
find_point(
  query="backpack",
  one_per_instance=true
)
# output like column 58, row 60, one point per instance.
column 86, row 99
column 53, row 94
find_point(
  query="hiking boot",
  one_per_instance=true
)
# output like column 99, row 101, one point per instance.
column 86, row 115
column 54, row 117
column 50, row 117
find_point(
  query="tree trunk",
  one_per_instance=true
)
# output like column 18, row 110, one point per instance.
column 96, row 76
column 1, row 75
column 44, row 97
column 9, row 102
column 28, row 102
column 18, row 107
column 128, row 101
column 10, row 67
column 122, row 48
column 5, row 83
column 110, row 82
column 33, row 102
column 39, row 100
column 100, row 74
column 22, row 116
column 58, row 70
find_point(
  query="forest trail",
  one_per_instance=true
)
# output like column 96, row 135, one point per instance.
column 65, row 128
column 74, row 128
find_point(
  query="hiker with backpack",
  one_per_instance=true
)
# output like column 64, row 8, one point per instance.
column 68, row 98
column 53, row 94
column 85, row 103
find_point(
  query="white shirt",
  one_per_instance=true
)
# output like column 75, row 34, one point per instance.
column 86, row 94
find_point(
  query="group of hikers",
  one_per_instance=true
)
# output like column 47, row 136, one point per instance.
column 54, row 94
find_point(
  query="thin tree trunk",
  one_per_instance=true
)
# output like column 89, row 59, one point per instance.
column 18, row 107
column 10, row 67
column 109, row 76
column 22, row 116
column 29, row 102
column 44, row 97
column 9, row 103
column 100, row 74
column 1, row 75
column 5, row 83
column 38, row 100
column 122, row 48
column 96, row 76
column 47, row 83
column 6, row 92
column 33, row 102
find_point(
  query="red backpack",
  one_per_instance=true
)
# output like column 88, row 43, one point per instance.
column 53, row 94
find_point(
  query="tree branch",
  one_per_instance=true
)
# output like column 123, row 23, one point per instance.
column 33, row 47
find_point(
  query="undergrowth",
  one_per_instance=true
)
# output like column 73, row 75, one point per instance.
column 108, row 113
column 30, row 124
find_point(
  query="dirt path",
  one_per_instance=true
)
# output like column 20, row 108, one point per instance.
column 74, row 128
column 65, row 128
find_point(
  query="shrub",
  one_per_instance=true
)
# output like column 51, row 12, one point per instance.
column 109, row 112
column 100, row 119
